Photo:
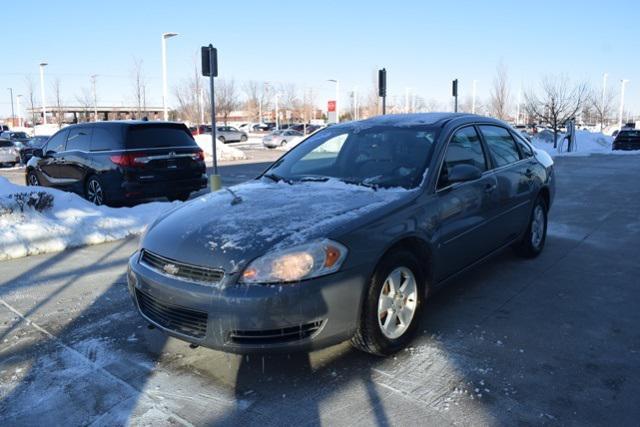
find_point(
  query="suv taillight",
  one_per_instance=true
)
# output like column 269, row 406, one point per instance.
column 128, row 160
column 199, row 155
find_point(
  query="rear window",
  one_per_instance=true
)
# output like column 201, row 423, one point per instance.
column 629, row 134
column 159, row 137
column 5, row 143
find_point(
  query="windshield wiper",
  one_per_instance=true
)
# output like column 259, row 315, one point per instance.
column 277, row 178
column 360, row 183
column 314, row 179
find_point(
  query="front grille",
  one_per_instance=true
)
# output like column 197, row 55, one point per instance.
column 178, row 319
column 173, row 268
column 275, row 336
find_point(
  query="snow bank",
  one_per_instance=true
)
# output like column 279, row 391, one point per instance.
column 224, row 152
column 70, row 222
column 587, row 143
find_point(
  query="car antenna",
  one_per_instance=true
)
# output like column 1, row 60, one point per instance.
column 236, row 199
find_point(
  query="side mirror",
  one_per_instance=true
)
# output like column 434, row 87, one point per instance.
column 463, row 173
column 38, row 153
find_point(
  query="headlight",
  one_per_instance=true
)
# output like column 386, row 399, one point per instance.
column 296, row 263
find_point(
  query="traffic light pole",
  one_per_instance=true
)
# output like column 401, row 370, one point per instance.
column 215, row 183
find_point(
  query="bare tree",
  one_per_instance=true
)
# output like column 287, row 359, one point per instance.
column 85, row 100
column 188, row 93
column 227, row 99
column 57, row 97
column 31, row 98
column 557, row 101
column 139, row 85
column 499, row 101
column 602, row 107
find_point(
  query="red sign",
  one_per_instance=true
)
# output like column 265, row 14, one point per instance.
column 331, row 106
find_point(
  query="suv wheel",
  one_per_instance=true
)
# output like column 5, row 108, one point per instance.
column 533, row 240
column 221, row 139
column 391, row 309
column 94, row 191
column 32, row 179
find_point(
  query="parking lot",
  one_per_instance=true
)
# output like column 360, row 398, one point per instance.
column 547, row 341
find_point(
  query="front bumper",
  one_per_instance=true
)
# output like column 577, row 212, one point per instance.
column 251, row 318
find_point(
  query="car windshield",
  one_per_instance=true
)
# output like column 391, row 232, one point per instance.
column 20, row 135
column 378, row 156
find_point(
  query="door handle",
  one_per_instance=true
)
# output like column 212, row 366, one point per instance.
column 488, row 188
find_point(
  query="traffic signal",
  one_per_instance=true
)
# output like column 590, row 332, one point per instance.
column 454, row 88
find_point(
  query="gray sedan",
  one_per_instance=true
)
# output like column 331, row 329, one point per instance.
column 345, row 236
column 230, row 134
column 280, row 138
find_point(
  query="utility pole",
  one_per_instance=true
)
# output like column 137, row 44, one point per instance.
column 13, row 114
column 44, row 109
column 20, row 123
column 277, row 115
column 165, row 108
column 623, row 83
column 604, row 91
column 95, row 97
column 473, row 97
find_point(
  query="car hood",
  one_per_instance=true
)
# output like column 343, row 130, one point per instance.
column 218, row 232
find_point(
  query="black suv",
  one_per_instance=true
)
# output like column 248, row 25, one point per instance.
column 627, row 139
column 120, row 162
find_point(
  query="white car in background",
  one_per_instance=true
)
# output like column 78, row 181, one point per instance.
column 9, row 153
column 282, row 138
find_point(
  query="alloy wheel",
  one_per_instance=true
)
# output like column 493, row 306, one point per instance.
column 33, row 180
column 94, row 192
column 537, row 226
column 397, row 303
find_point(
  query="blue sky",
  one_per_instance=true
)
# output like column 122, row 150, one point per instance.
column 422, row 44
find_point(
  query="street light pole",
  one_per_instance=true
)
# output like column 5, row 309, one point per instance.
column 623, row 83
column 19, row 110
column 277, row 119
column 13, row 114
column 473, row 97
column 95, row 98
column 44, row 109
column 165, row 36
column 604, row 91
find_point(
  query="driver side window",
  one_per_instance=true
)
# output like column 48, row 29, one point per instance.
column 464, row 148
column 58, row 142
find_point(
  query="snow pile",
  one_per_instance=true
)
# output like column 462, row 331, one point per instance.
column 586, row 143
column 30, row 225
column 223, row 151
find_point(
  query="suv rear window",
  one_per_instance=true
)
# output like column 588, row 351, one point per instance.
column 5, row 143
column 159, row 137
column 629, row 135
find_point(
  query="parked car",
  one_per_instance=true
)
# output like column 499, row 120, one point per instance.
column 627, row 139
column 34, row 143
column 9, row 153
column 280, row 138
column 345, row 236
column 116, row 162
column 4, row 128
column 230, row 134
column 18, row 138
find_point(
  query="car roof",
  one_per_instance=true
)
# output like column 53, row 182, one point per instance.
column 421, row 119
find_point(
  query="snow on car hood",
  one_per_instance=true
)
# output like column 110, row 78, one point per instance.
column 211, row 231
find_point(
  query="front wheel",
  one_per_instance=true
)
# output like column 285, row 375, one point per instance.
column 94, row 191
column 283, row 143
column 32, row 179
column 221, row 139
column 534, row 238
column 392, row 305
column 243, row 138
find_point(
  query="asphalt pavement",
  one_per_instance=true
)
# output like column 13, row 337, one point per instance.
column 553, row 340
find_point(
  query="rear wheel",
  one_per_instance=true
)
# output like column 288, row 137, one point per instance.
column 94, row 191
column 533, row 240
column 221, row 139
column 283, row 143
column 392, row 305
column 32, row 179
column 243, row 138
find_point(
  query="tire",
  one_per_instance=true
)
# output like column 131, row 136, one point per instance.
column 243, row 138
column 283, row 143
column 32, row 179
column 94, row 191
column 532, row 243
column 183, row 197
column 372, row 336
column 221, row 139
